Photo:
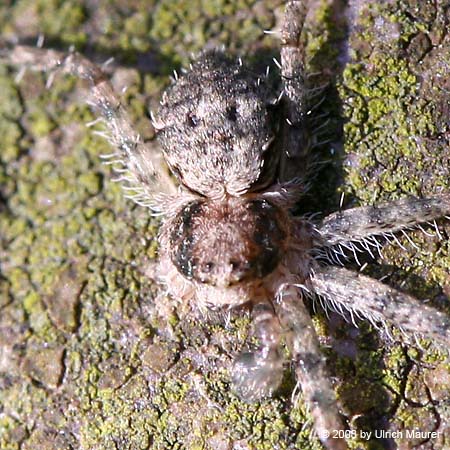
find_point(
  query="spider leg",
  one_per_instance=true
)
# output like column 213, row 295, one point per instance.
column 257, row 375
column 296, row 140
column 380, row 303
column 138, row 162
column 310, row 367
column 357, row 224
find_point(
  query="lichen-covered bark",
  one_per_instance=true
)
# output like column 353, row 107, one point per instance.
column 88, row 359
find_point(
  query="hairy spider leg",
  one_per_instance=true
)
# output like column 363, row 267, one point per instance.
column 295, row 153
column 359, row 224
column 136, row 161
column 381, row 303
column 310, row 367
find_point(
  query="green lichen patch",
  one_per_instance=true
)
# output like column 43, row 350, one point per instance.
column 389, row 122
column 183, row 28
column 392, row 150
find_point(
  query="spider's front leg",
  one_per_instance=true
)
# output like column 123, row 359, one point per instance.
column 258, row 374
column 310, row 368
column 137, row 162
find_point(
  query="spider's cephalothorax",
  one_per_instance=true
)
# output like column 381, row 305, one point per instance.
column 228, row 237
column 228, row 242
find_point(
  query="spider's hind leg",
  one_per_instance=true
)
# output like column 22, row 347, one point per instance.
column 137, row 162
column 296, row 139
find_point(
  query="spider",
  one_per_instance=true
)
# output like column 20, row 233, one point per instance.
column 228, row 237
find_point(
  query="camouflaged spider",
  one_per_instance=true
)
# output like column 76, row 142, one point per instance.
column 228, row 237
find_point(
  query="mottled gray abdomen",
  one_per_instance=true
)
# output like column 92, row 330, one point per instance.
column 215, row 127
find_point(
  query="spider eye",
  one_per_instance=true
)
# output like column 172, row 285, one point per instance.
column 192, row 120
column 232, row 113
column 235, row 265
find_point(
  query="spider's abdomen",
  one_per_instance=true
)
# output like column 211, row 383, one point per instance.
column 215, row 126
column 228, row 242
